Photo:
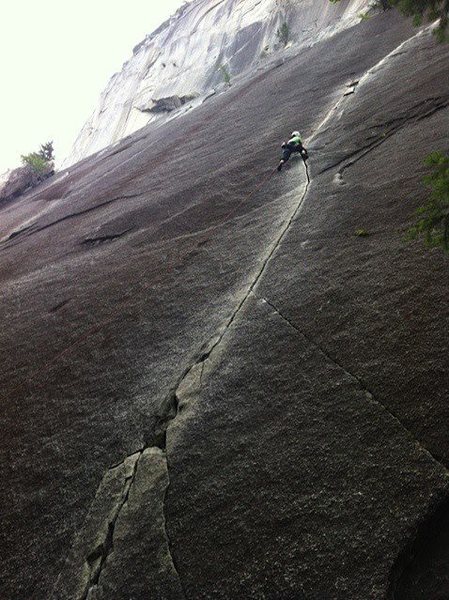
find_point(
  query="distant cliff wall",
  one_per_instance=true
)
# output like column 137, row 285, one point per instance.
column 195, row 54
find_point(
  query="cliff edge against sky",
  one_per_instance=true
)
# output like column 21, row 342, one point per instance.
column 203, row 48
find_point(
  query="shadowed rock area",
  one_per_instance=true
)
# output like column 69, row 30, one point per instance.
column 210, row 387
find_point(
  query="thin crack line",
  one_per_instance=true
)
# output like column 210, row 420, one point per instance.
column 204, row 356
column 167, row 535
column 262, row 268
column 201, row 374
column 108, row 543
column 356, row 378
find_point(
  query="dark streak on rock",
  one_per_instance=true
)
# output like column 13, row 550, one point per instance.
column 58, row 306
column 19, row 232
column 95, row 241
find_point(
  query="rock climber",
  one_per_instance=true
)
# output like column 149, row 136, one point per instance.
column 294, row 144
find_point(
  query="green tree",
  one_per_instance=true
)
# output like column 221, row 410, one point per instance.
column 41, row 162
column 421, row 10
column 433, row 217
column 427, row 9
column 47, row 151
column 35, row 161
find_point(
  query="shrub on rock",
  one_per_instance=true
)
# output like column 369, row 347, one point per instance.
column 37, row 166
column 432, row 10
column 433, row 217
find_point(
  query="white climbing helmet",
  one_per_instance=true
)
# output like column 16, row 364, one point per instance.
column 296, row 134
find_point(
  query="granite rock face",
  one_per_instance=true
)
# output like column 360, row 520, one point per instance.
column 205, row 45
column 15, row 182
column 210, row 386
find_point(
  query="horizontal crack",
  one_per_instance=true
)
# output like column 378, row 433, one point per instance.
column 35, row 230
column 18, row 232
column 59, row 305
column 415, row 114
column 355, row 377
column 86, row 211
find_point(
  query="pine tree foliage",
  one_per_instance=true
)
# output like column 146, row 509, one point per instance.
column 35, row 161
column 432, row 222
column 47, row 151
column 41, row 161
column 421, row 10
column 427, row 9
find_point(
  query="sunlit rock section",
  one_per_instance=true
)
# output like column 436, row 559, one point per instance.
column 199, row 52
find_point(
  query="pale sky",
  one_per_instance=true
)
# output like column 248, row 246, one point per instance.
column 56, row 57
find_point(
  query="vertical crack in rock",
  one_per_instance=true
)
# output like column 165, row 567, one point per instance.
column 130, row 500
column 360, row 382
column 173, row 400
column 192, row 377
column 259, row 274
column 167, row 535
column 98, row 558
column 94, row 548
column 141, row 530
column 95, row 541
